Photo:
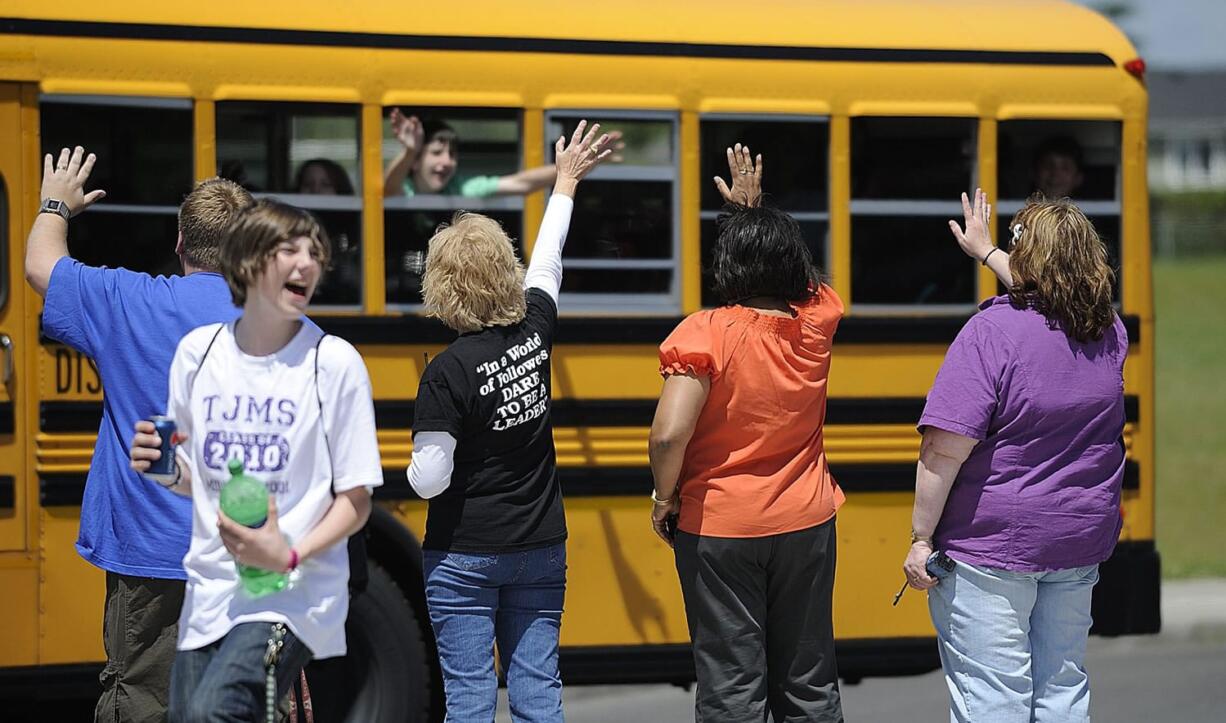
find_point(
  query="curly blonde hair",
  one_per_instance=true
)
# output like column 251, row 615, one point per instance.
column 473, row 279
column 1059, row 266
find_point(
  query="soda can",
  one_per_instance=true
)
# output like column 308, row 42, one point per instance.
column 162, row 470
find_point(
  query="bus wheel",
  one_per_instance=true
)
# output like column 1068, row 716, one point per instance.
column 386, row 676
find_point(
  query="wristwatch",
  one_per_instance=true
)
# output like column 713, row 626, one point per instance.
column 52, row 205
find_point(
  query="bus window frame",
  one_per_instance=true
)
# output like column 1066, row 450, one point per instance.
column 128, row 101
column 799, row 216
column 914, row 208
column 580, row 303
column 440, row 202
column 309, row 201
column 5, row 209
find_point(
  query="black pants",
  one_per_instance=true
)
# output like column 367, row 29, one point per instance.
column 140, row 628
column 759, row 612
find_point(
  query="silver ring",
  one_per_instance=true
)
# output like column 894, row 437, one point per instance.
column 744, row 172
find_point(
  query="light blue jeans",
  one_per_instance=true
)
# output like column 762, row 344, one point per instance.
column 1013, row 644
column 514, row 598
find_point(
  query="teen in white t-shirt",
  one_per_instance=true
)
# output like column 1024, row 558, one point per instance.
column 297, row 406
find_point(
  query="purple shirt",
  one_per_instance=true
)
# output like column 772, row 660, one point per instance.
column 1041, row 490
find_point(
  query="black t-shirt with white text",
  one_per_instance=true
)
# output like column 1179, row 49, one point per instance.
column 490, row 390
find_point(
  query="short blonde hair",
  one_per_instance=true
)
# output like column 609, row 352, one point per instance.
column 473, row 279
column 1059, row 267
column 204, row 217
column 254, row 236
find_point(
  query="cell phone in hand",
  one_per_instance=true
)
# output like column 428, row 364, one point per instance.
column 670, row 527
column 939, row 561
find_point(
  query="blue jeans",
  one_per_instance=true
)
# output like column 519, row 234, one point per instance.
column 514, row 598
column 1013, row 644
column 226, row 681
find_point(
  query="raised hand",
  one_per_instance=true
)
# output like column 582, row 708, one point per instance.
column 408, row 130
column 976, row 239
column 746, row 175
column 64, row 180
column 577, row 159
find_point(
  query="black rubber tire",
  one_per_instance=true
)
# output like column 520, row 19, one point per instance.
column 386, row 676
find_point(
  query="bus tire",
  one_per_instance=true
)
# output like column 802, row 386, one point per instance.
column 386, row 676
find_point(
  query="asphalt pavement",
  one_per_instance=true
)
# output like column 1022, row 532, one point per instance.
column 1178, row 676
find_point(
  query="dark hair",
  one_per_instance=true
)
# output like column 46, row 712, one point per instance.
column 253, row 238
column 761, row 252
column 1066, row 146
column 336, row 174
column 433, row 129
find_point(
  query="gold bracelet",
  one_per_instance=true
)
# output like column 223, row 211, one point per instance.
column 916, row 537
column 659, row 501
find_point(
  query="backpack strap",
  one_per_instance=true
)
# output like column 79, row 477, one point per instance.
column 320, row 400
column 203, row 356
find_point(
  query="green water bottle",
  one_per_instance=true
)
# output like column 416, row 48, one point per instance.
column 244, row 499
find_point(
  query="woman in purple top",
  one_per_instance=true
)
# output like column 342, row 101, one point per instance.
column 1018, row 483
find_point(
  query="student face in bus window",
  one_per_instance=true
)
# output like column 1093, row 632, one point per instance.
column 1057, row 168
column 322, row 177
column 439, row 158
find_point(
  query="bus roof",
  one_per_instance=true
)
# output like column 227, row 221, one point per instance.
column 1020, row 31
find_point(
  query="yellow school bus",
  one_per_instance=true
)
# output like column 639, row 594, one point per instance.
column 872, row 117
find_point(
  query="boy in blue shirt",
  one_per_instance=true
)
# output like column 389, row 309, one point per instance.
column 130, row 324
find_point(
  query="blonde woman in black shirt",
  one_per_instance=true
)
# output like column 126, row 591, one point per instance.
column 495, row 551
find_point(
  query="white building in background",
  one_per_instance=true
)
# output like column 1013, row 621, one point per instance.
column 1187, row 131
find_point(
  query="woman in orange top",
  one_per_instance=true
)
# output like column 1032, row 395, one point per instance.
column 742, row 490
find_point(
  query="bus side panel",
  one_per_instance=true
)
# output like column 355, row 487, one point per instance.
column 13, row 491
column 18, row 564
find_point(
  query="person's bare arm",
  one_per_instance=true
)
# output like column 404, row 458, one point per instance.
column 530, row 180
column 941, row 456
column 681, row 402
column 526, row 181
column 64, row 180
column 410, row 133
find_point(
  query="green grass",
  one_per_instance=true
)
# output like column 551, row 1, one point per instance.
column 1190, row 305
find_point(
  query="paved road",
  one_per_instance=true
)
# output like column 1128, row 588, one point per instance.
column 1176, row 677
column 1161, row 679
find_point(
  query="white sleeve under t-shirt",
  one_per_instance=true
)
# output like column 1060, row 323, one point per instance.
column 430, row 470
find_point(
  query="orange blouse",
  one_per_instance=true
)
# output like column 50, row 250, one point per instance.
column 756, row 465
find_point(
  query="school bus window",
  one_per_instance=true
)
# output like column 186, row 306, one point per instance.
column 911, row 158
column 437, row 161
column 306, row 155
column 797, row 172
column 622, row 246
column 901, row 253
column 1077, row 159
column 144, row 148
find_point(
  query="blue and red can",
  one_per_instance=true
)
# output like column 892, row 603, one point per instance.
column 162, row 470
